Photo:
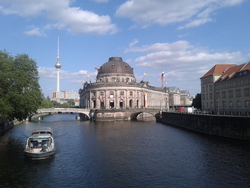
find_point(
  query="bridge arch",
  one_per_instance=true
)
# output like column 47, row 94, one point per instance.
column 143, row 116
column 62, row 110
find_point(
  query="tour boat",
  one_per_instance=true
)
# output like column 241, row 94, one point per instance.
column 40, row 144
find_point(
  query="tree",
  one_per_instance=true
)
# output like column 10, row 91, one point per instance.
column 20, row 93
column 46, row 103
column 197, row 101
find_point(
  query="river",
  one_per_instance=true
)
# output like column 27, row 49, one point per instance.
column 123, row 154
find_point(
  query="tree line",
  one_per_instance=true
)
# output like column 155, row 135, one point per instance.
column 20, row 92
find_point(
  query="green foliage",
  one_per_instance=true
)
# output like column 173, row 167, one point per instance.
column 64, row 105
column 46, row 103
column 20, row 93
column 197, row 101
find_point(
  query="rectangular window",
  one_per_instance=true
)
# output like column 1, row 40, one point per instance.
column 210, row 88
column 217, row 95
column 203, row 89
column 131, row 93
column 210, row 96
column 238, row 92
column 247, row 92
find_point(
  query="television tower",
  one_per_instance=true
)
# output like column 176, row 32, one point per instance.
column 58, row 66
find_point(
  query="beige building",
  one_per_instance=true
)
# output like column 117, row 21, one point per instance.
column 116, row 88
column 186, row 99
column 225, row 89
column 174, row 97
column 179, row 98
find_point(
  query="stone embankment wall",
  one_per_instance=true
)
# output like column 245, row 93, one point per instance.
column 5, row 125
column 225, row 126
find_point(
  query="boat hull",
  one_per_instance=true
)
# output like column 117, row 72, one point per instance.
column 39, row 155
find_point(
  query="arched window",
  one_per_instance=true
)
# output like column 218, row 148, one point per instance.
column 238, row 104
column 224, row 104
column 211, row 104
column 230, row 104
column 247, row 103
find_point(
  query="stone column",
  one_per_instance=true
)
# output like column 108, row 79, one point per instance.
column 117, row 101
column 90, row 100
column 127, row 99
column 106, row 100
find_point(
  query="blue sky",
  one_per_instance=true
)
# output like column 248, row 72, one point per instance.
column 183, row 38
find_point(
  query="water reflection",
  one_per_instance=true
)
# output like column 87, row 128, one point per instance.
column 123, row 154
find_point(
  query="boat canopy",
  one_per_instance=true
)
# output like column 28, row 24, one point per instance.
column 43, row 130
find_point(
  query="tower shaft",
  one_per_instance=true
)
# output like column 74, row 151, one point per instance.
column 58, row 66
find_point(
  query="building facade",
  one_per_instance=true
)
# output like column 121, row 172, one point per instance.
column 186, row 99
column 116, row 88
column 179, row 98
column 225, row 89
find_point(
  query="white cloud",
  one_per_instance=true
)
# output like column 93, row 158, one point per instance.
column 182, row 62
column 164, row 12
column 35, row 31
column 61, row 15
column 101, row 1
column 75, row 77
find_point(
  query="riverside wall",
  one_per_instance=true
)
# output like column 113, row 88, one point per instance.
column 225, row 126
column 5, row 125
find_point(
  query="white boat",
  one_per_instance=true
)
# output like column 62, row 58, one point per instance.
column 40, row 144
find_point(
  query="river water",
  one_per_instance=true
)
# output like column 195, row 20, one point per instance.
column 123, row 154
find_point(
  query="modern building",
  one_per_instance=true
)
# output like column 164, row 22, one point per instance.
column 225, row 89
column 64, row 95
column 116, row 88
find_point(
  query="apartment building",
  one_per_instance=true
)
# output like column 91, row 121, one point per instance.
column 225, row 89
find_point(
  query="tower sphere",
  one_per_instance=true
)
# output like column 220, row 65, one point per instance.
column 58, row 65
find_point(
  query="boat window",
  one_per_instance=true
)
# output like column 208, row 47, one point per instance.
column 45, row 142
column 33, row 143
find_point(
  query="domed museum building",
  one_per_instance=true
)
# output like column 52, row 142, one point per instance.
column 116, row 88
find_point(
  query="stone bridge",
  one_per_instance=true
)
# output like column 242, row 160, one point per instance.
column 64, row 110
column 143, row 114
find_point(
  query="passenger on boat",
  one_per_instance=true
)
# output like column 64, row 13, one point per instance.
column 44, row 148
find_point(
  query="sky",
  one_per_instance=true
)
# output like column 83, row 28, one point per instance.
column 182, row 38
